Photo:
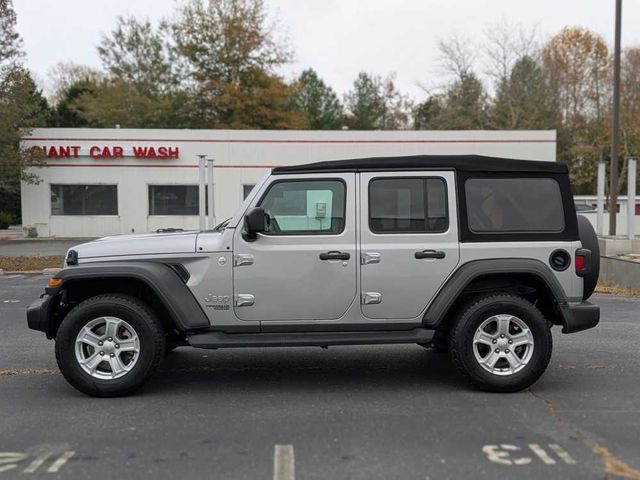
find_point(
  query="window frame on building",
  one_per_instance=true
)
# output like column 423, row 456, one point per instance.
column 186, row 185
column 115, row 200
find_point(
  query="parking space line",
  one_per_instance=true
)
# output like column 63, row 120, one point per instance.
column 562, row 453
column 64, row 458
column 541, row 453
column 283, row 463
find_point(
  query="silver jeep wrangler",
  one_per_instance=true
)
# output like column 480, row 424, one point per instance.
column 474, row 255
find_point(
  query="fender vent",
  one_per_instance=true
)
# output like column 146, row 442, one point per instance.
column 182, row 272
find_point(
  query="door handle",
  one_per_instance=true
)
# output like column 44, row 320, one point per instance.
column 429, row 254
column 335, row 255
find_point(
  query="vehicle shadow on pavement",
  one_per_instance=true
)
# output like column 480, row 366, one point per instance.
column 308, row 369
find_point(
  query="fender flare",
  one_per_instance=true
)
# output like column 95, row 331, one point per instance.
column 178, row 300
column 467, row 272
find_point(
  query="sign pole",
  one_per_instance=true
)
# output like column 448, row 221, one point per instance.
column 201, row 192
column 600, row 208
column 631, row 199
column 212, row 212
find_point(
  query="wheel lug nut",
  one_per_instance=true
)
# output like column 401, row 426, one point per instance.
column 100, row 343
column 102, row 354
column 510, row 342
column 506, row 351
column 113, row 355
column 494, row 341
column 497, row 350
column 111, row 339
column 117, row 346
column 501, row 335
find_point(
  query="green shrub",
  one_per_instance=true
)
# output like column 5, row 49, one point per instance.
column 5, row 220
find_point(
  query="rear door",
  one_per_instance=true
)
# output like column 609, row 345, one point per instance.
column 409, row 240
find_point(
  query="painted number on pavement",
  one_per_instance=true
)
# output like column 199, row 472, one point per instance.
column 507, row 454
column 12, row 460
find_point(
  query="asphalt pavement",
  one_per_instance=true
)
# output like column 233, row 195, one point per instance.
column 372, row 412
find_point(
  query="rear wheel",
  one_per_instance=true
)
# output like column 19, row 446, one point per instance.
column 109, row 345
column 501, row 343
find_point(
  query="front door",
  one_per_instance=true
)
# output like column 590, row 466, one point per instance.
column 305, row 266
column 409, row 241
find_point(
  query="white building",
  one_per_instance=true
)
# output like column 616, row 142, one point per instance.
column 107, row 181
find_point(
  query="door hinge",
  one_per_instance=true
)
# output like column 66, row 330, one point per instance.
column 242, row 259
column 371, row 298
column 367, row 258
column 244, row 300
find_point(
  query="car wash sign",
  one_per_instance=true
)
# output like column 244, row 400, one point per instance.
column 103, row 152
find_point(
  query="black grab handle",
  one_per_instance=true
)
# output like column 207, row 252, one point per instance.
column 429, row 254
column 335, row 255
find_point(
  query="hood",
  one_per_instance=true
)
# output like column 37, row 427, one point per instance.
column 142, row 244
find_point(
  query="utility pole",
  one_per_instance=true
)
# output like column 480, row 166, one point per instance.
column 615, row 127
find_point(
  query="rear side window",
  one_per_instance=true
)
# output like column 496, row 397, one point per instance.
column 512, row 205
column 408, row 205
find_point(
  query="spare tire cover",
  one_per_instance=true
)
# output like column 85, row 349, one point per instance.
column 589, row 240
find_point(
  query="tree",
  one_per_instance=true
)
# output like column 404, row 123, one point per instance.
column 577, row 63
column 141, row 55
column 524, row 100
column 224, row 39
column 230, row 53
column 10, row 41
column 22, row 106
column 318, row 102
column 365, row 103
column 462, row 106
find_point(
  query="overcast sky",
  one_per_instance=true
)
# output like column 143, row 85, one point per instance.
column 338, row 38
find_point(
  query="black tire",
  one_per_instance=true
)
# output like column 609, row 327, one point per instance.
column 464, row 329
column 589, row 240
column 137, row 314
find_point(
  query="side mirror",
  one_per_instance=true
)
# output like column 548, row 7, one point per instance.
column 254, row 223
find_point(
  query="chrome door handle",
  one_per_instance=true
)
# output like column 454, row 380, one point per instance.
column 429, row 254
column 335, row 255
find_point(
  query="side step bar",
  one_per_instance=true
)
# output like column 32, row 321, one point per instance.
column 308, row 339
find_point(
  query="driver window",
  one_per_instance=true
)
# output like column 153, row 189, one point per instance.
column 305, row 207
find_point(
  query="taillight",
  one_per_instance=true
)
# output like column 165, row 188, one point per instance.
column 583, row 262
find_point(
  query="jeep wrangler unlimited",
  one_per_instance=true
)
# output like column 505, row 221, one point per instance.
column 475, row 255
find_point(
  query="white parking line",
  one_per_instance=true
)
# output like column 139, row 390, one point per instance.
column 283, row 463
column 64, row 458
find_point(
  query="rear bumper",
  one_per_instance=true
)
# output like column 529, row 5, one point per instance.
column 579, row 316
column 39, row 315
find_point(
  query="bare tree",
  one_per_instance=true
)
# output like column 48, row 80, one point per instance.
column 506, row 43
column 457, row 56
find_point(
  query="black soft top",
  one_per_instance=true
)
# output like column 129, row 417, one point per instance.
column 467, row 163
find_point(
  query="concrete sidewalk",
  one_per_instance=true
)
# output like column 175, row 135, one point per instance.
column 43, row 247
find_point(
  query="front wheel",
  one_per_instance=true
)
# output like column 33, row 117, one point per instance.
column 501, row 343
column 109, row 345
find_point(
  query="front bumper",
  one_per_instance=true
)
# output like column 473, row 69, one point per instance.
column 39, row 315
column 579, row 316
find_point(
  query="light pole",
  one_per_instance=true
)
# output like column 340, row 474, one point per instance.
column 615, row 125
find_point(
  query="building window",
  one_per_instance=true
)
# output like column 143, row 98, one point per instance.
column 84, row 200
column 305, row 207
column 512, row 205
column 246, row 190
column 408, row 205
column 174, row 199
